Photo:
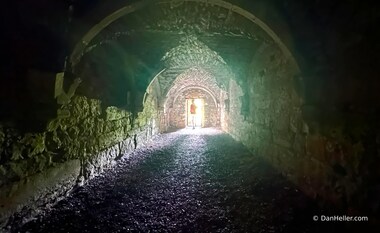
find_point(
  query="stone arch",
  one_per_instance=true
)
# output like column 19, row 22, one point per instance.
column 150, row 85
column 79, row 48
column 199, row 88
column 177, row 115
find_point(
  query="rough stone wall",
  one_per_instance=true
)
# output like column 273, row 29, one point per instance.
column 178, row 112
column 265, row 112
column 265, row 109
column 80, row 142
column 331, row 154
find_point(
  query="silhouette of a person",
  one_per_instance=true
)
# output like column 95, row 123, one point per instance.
column 193, row 111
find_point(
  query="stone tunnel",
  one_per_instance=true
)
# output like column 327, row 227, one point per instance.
column 85, row 84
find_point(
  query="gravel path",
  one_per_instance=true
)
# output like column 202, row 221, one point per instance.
column 187, row 181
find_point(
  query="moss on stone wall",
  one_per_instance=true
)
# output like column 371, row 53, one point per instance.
column 81, row 130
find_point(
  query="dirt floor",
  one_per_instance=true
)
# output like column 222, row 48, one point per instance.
column 188, row 181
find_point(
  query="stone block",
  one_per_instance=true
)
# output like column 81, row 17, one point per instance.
column 127, row 129
column 95, row 107
column 113, row 113
column 106, row 140
column 126, row 146
column 79, row 107
column 88, row 127
column 38, row 190
column 100, row 126
column 109, row 126
column 63, row 113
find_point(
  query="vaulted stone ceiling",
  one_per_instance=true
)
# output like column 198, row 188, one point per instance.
column 193, row 78
column 189, row 33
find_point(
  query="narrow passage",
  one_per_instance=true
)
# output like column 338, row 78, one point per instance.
column 188, row 181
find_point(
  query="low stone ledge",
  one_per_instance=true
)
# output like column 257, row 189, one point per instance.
column 33, row 194
column 38, row 190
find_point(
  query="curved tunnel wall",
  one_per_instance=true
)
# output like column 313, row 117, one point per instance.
column 265, row 113
column 314, row 145
column 116, row 131
column 263, row 109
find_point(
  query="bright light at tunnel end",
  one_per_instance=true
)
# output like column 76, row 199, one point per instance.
column 198, row 102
